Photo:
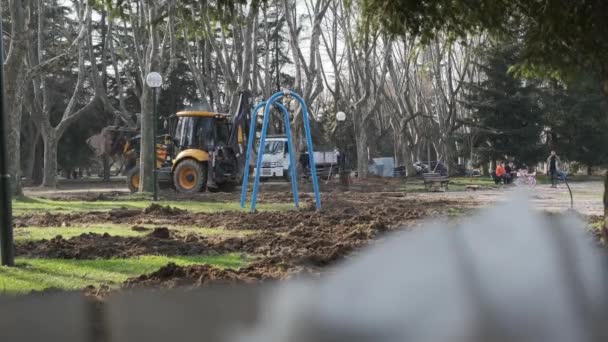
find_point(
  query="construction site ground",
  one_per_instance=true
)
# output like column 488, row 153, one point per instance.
column 96, row 237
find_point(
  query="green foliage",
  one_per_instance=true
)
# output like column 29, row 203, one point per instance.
column 510, row 114
column 193, row 15
column 182, row 88
column 558, row 37
column 424, row 18
column 577, row 120
column 73, row 150
column 506, row 112
column 41, row 274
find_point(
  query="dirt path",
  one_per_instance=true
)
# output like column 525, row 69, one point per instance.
column 587, row 197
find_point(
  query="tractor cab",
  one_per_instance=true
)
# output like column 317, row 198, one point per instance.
column 205, row 155
column 201, row 130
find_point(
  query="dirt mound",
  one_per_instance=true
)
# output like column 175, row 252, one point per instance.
column 157, row 209
column 120, row 213
column 352, row 207
column 304, row 238
column 96, row 246
column 171, row 275
column 285, row 243
column 160, row 233
column 307, row 238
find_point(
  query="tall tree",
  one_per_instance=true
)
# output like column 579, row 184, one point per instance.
column 75, row 106
column 505, row 110
column 577, row 121
column 15, row 80
column 308, row 80
column 558, row 37
column 145, row 42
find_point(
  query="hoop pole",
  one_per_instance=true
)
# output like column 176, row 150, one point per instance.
column 571, row 197
column 311, row 156
column 256, row 182
column 292, row 161
column 250, row 140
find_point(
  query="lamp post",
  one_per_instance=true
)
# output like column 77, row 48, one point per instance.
column 6, row 215
column 341, row 116
column 344, row 181
column 154, row 81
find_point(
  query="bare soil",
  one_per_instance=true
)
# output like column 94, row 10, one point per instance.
column 285, row 243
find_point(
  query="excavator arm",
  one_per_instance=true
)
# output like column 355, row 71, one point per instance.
column 240, row 128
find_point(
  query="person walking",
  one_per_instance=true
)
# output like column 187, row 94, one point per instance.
column 553, row 163
column 508, row 173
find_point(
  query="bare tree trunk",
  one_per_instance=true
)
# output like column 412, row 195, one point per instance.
column 409, row 166
column 50, row 134
column 30, row 158
column 149, row 51
column 14, row 78
column 37, row 173
column 50, row 158
column 362, row 156
column 248, row 46
column 105, row 159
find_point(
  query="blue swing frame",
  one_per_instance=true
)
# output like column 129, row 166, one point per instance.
column 294, row 183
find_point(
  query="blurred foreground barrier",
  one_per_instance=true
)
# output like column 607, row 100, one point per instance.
column 509, row 274
column 53, row 318
column 212, row 314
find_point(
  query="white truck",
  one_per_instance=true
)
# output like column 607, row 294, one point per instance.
column 275, row 162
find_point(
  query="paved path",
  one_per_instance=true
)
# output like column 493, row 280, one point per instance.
column 587, row 197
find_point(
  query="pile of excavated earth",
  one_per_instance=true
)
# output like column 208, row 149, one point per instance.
column 280, row 244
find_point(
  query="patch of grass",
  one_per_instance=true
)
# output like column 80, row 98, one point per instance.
column 24, row 234
column 39, row 233
column 37, row 205
column 596, row 224
column 456, row 183
column 41, row 274
column 482, row 180
column 456, row 212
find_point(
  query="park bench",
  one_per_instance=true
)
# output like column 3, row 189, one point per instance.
column 435, row 181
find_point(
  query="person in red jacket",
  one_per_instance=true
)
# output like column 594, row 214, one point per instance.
column 500, row 173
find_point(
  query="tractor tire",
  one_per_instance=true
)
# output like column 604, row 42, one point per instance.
column 133, row 179
column 190, row 176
